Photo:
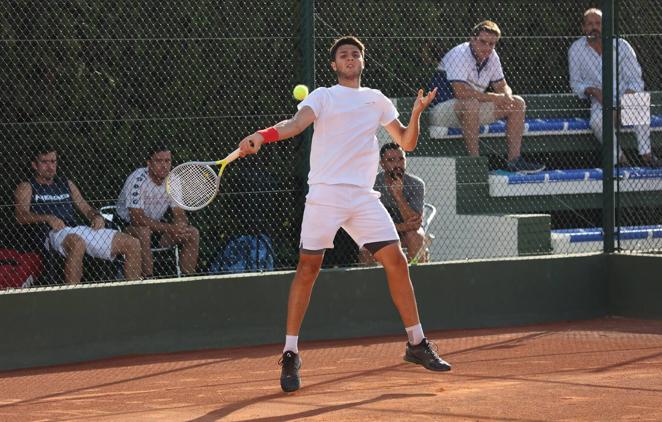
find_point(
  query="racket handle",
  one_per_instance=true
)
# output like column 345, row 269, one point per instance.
column 232, row 156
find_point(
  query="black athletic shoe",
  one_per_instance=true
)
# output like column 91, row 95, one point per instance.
column 425, row 354
column 289, row 374
column 520, row 165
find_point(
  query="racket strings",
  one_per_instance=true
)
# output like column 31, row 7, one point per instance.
column 193, row 185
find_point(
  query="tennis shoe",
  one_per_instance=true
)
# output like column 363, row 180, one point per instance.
column 425, row 354
column 650, row 160
column 520, row 165
column 289, row 374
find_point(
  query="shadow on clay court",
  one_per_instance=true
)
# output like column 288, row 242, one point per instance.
column 522, row 336
column 107, row 384
column 628, row 362
column 218, row 355
column 220, row 413
column 523, row 378
column 327, row 409
column 227, row 410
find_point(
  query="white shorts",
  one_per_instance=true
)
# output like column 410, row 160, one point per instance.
column 98, row 243
column 443, row 114
column 357, row 210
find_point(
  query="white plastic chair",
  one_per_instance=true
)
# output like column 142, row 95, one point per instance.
column 109, row 213
column 429, row 212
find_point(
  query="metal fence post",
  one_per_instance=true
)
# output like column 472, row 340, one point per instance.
column 608, row 125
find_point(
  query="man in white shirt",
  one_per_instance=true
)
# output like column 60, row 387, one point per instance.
column 143, row 203
column 585, row 63
column 343, row 165
column 462, row 80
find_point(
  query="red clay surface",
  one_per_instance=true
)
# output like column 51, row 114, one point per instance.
column 608, row 369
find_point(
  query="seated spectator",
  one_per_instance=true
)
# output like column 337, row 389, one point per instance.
column 51, row 200
column 402, row 195
column 462, row 80
column 585, row 66
column 142, row 205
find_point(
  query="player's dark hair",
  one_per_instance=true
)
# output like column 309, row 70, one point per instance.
column 349, row 39
column 386, row 147
column 41, row 148
column 486, row 26
column 155, row 147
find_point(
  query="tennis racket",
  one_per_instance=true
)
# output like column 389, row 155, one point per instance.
column 194, row 184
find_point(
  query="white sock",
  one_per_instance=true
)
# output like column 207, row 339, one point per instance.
column 415, row 334
column 291, row 344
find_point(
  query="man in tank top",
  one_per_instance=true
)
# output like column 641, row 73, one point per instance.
column 49, row 202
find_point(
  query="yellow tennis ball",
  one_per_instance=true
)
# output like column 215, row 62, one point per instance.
column 300, row 92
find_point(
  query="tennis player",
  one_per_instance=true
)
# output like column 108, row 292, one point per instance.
column 343, row 165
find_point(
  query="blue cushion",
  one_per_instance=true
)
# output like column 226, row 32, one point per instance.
column 578, row 175
column 595, row 234
column 560, row 125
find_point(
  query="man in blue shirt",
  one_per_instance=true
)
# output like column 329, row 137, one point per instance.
column 462, row 80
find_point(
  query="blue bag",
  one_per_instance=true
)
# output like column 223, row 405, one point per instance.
column 245, row 253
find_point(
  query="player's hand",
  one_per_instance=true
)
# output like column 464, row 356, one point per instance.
column 423, row 101
column 505, row 102
column 397, row 185
column 251, row 144
column 56, row 223
column 97, row 222
column 502, row 101
column 595, row 93
column 415, row 221
column 598, row 96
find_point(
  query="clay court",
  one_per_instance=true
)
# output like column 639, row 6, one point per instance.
column 607, row 369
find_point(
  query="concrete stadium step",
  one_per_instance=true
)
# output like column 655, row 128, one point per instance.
column 590, row 239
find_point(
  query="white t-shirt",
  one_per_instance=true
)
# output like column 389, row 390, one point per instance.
column 140, row 191
column 460, row 66
column 345, row 149
column 586, row 68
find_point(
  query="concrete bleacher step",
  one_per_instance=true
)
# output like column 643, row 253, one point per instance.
column 574, row 181
column 476, row 221
column 590, row 239
column 473, row 192
column 536, row 127
column 471, row 223
column 482, row 234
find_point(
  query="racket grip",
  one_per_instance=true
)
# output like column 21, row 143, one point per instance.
column 232, row 156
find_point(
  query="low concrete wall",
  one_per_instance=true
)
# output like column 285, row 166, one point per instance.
column 55, row 326
column 511, row 292
column 635, row 286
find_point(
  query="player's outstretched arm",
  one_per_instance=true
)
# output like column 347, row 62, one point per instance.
column 407, row 136
column 283, row 130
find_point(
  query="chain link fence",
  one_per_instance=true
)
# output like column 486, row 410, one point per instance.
column 103, row 83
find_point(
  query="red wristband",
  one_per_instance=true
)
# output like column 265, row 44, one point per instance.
column 269, row 134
